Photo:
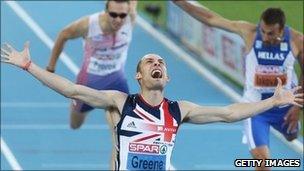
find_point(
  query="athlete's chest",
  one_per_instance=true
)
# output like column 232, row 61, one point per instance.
column 152, row 124
column 272, row 62
column 109, row 42
column 271, row 54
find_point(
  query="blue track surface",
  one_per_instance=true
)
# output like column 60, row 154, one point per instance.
column 34, row 119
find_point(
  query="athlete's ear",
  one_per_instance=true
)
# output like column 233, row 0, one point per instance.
column 138, row 76
column 168, row 78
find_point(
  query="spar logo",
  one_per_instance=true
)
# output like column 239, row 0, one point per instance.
column 144, row 148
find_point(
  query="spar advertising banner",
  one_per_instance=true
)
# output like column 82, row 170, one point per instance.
column 221, row 49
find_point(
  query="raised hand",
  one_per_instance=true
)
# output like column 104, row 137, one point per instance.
column 12, row 56
column 283, row 97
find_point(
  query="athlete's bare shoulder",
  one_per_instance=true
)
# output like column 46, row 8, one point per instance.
column 246, row 25
column 246, row 28
column 296, row 36
column 77, row 28
column 297, row 40
column 102, row 16
column 247, row 31
column 119, row 99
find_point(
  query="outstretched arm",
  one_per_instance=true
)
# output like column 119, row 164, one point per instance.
column 213, row 19
column 199, row 114
column 74, row 30
column 101, row 99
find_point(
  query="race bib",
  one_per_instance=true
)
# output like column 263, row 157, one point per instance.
column 147, row 156
column 266, row 76
column 137, row 161
column 103, row 65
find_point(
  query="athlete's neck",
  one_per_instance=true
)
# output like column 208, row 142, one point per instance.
column 152, row 97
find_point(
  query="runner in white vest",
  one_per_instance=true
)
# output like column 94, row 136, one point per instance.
column 148, row 125
column 272, row 49
column 106, row 39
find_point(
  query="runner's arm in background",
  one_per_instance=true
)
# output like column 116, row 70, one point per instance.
column 133, row 11
column 213, row 19
column 74, row 30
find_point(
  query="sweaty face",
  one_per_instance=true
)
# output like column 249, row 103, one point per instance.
column 117, row 13
column 271, row 34
column 153, row 72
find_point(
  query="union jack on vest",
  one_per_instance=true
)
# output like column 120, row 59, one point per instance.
column 146, row 134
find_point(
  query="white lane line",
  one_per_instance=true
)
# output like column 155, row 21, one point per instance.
column 7, row 153
column 296, row 145
column 49, row 43
column 41, row 34
column 179, row 52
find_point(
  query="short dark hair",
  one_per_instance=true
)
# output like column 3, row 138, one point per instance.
column 138, row 69
column 138, row 66
column 118, row 1
column 274, row 16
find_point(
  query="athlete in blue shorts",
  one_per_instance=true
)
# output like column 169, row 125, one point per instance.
column 272, row 49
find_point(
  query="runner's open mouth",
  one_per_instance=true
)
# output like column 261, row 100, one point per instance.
column 156, row 73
